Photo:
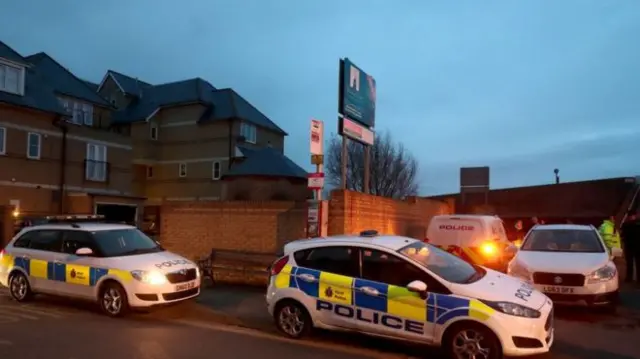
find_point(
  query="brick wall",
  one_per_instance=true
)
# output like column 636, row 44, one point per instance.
column 193, row 229
column 352, row 212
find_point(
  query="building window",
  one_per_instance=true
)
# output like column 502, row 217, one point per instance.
column 149, row 171
column 153, row 127
column 11, row 79
column 96, row 163
column 216, row 170
column 3, row 140
column 81, row 113
column 33, row 145
column 248, row 131
column 182, row 170
column 87, row 114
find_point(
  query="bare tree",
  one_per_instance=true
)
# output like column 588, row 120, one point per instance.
column 393, row 168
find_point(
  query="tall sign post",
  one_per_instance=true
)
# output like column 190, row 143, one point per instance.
column 316, row 213
column 356, row 114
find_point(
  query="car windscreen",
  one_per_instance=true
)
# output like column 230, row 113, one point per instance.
column 123, row 242
column 563, row 240
column 442, row 263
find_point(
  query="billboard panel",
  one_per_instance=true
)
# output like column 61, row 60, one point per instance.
column 474, row 176
column 356, row 131
column 357, row 93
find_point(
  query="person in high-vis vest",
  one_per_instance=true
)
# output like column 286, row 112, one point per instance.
column 519, row 237
column 609, row 233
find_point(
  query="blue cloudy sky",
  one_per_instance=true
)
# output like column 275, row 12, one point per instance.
column 521, row 86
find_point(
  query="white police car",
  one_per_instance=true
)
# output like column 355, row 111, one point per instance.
column 570, row 263
column 402, row 288
column 115, row 265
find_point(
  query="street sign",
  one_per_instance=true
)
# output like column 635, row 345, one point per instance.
column 316, row 180
column 317, row 160
column 317, row 137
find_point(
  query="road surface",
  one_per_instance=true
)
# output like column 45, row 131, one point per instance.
column 238, row 328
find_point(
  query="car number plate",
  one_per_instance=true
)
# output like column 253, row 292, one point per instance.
column 185, row 286
column 558, row 290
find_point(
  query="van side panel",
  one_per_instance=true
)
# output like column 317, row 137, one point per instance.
column 452, row 231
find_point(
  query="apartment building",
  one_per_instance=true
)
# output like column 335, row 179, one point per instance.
column 192, row 141
column 57, row 152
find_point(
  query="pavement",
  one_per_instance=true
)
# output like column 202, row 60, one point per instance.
column 232, row 322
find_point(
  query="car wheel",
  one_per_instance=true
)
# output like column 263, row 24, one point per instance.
column 19, row 288
column 113, row 300
column 469, row 340
column 292, row 319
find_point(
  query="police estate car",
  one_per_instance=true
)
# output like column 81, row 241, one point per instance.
column 115, row 265
column 402, row 288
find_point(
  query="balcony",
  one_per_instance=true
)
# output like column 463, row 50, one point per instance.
column 97, row 171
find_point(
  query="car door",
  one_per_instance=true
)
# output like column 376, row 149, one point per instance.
column 384, row 303
column 79, row 280
column 327, row 274
column 43, row 260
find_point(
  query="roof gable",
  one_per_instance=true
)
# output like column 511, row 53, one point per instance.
column 129, row 85
column 64, row 81
column 38, row 94
column 10, row 54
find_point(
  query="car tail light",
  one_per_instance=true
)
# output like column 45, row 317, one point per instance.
column 277, row 266
column 425, row 240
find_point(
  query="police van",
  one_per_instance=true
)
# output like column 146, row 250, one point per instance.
column 115, row 265
column 479, row 239
column 401, row 288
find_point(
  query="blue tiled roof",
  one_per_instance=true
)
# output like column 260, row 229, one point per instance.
column 92, row 85
column 174, row 93
column 266, row 162
column 130, row 85
column 63, row 81
column 226, row 104
column 10, row 54
column 38, row 94
column 221, row 104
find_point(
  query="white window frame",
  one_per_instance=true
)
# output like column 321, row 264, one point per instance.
column 153, row 126
column 87, row 114
column 3, row 76
column 149, row 171
column 213, row 170
column 96, row 171
column 249, row 131
column 3, row 138
column 30, row 136
column 182, row 170
column 76, row 112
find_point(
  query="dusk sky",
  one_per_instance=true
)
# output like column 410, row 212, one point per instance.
column 521, row 86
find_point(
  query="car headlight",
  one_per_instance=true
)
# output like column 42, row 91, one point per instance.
column 149, row 277
column 513, row 309
column 519, row 271
column 603, row 274
column 197, row 272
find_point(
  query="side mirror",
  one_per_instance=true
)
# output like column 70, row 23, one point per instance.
column 84, row 251
column 616, row 252
column 418, row 286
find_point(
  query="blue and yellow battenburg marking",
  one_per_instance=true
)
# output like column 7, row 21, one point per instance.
column 68, row 273
column 392, row 300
